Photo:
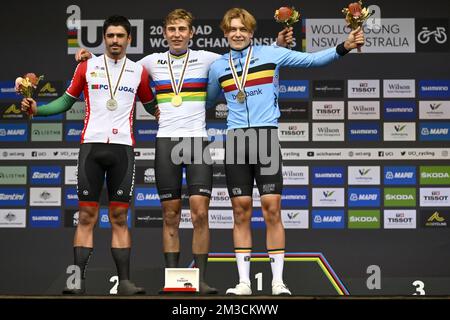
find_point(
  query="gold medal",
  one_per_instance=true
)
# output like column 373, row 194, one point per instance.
column 177, row 100
column 241, row 96
column 111, row 104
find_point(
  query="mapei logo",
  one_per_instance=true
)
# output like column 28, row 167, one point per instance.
column 328, row 219
column 294, row 89
column 435, row 131
column 399, row 175
column 13, row 132
column 148, row 197
column 88, row 33
column 363, row 197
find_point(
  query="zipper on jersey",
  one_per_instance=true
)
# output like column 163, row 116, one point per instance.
column 246, row 106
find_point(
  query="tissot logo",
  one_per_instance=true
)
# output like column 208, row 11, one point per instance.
column 399, row 219
column 328, row 110
column 363, row 88
column 434, row 197
column 432, row 35
column 293, row 131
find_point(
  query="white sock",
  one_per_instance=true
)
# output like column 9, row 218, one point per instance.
column 277, row 264
column 243, row 263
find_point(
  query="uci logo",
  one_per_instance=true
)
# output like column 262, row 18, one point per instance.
column 89, row 34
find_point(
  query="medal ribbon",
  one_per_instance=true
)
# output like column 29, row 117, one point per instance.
column 176, row 87
column 118, row 80
column 240, row 84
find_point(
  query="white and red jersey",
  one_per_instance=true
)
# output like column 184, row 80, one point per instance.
column 100, row 124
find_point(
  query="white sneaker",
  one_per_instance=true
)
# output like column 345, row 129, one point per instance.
column 280, row 289
column 241, row 289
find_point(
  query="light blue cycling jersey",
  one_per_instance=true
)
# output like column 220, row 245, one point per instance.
column 260, row 107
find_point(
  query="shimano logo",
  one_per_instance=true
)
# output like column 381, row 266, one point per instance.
column 45, row 218
column 329, row 175
column 364, row 131
column 400, row 110
column 434, row 88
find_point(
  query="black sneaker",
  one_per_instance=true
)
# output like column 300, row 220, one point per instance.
column 128, row 288
column 204, row 288
column 80, row 291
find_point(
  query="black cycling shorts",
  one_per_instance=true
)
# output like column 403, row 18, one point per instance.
column 253, row 154
column 171, row 155
column 97, row 161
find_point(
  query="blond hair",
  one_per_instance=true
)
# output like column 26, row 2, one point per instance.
column 247, row 19
column 179, row 14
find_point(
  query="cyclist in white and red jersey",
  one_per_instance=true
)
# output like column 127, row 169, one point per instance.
column 110, row 84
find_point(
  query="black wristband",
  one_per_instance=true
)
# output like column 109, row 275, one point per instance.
column 340, row 49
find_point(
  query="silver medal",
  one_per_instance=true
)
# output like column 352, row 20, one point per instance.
column 111, row 104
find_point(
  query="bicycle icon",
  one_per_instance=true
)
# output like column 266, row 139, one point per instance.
column 439, row 34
